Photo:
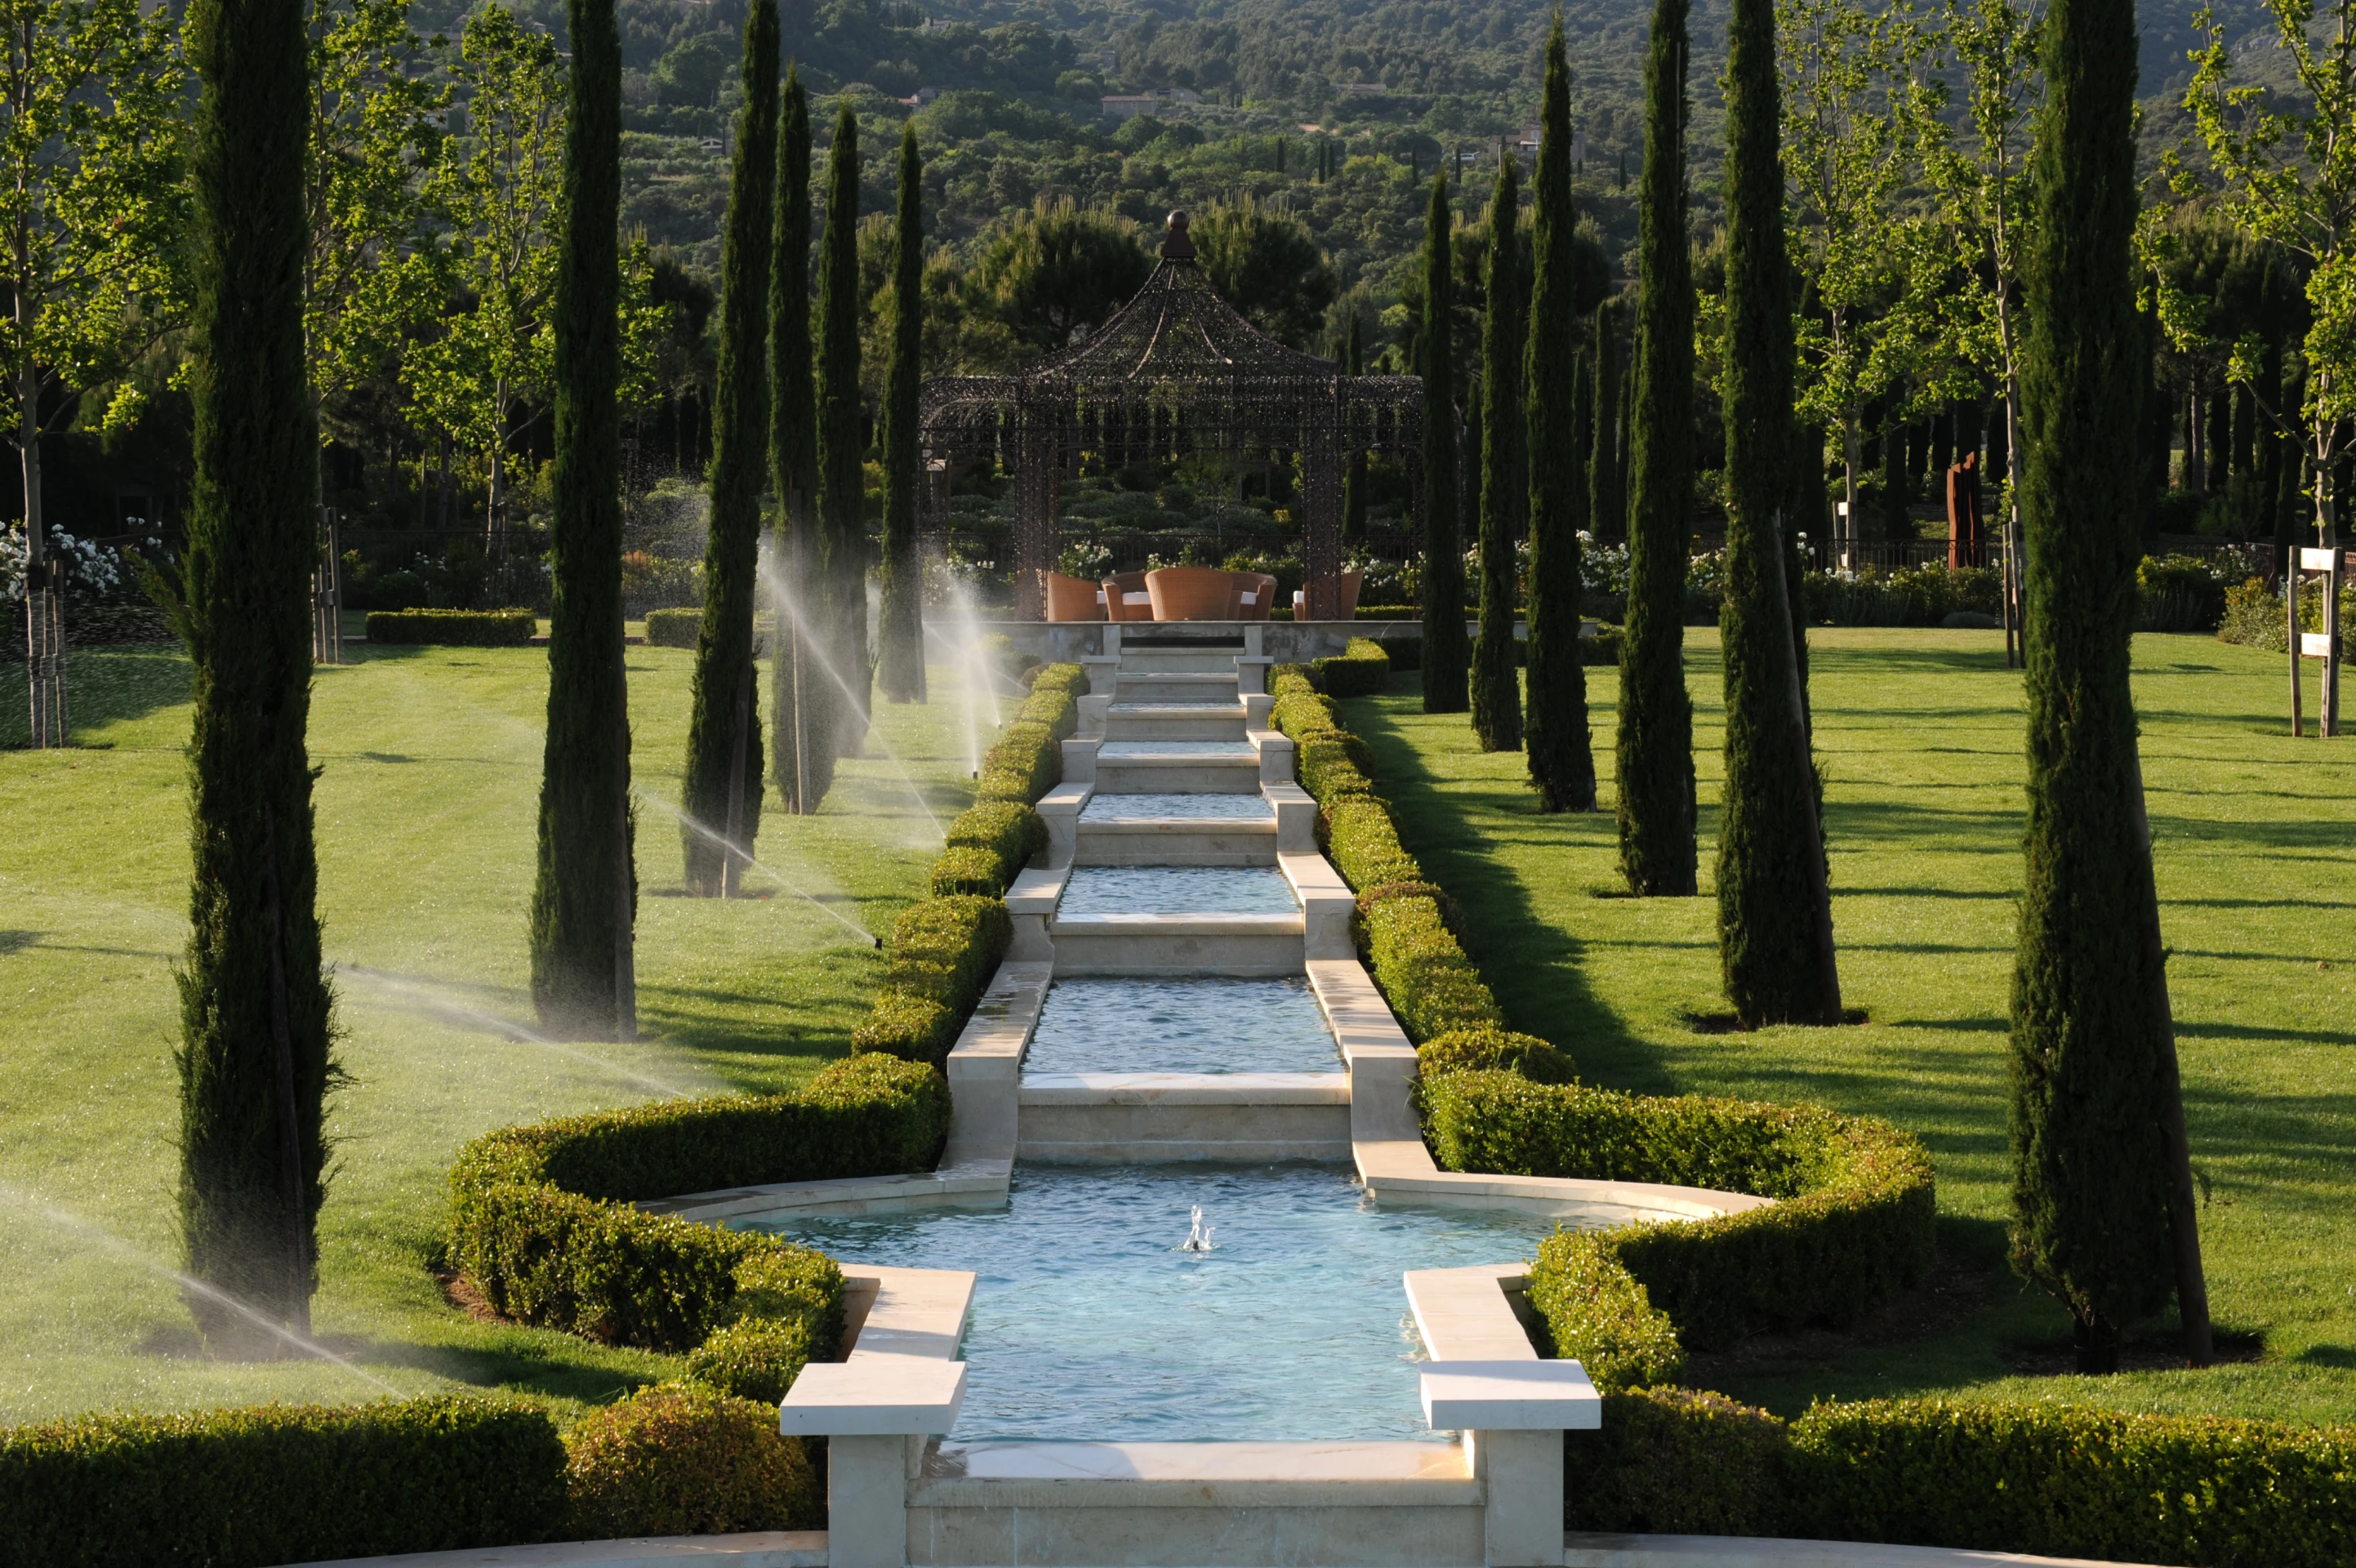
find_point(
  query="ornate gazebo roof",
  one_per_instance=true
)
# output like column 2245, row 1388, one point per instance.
column 1175, row 371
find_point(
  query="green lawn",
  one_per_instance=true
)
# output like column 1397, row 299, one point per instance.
column 1921, row 735
column 426, row 821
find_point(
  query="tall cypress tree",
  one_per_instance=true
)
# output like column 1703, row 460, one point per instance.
column 803, row 702
column 1354, row 477
column 842, row 485
column 900, row 666
column 584, row 900
column 1504, row 471
column 1445, row 653
column 1607, row 475
column 1774, row 914
column 721, row 784
column 1562, row 762
column 254, row 1007
column 2096, row 1120
column 1655, row 742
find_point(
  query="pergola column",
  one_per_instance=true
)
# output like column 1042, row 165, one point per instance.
column 1320, row 485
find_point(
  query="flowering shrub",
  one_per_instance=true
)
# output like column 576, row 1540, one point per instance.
column 91, row 571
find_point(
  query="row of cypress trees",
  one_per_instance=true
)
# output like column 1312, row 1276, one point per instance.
column 789, row 392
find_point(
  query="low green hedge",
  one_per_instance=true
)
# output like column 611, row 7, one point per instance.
column 240, row 1489
column 1414, row 958
column 2014, row 1476
column 1852, row 1223
column 943, row 951
column 988, row 845
column 453, row 629
column 1487, row 1049
column 1361, row 669
column 673, row 628
column 1425, row 975
column 543, row 1222
column 681, row 1460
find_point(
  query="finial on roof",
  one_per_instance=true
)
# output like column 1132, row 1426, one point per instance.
column 1176, row 247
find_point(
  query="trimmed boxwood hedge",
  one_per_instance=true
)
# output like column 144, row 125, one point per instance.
column 943, row 951
column 1403, row 928
column 1852, row 1223
column 1361, row 669
column 542, row 1220
column 2034, row 1478
column 240, row 1489
column 682, row 1461
column 673, row 627
column 453, row 629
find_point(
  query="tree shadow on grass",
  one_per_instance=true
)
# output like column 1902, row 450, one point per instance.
column 103, row 686
column 1532, row 965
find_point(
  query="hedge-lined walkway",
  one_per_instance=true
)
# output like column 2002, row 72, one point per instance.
column 1920, row 731
column 433, row 760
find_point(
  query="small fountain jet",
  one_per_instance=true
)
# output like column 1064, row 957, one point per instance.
column 1198, row 1235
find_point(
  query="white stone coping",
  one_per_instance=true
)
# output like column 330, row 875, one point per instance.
column 994, row 1037
column 968, row 1184
column 1599, row 1550
column 756, row 1549
column 1196, row 1475
column 1595, row 1202
column 1461, row 1315
column 1509, row 1396
column 1233, row 1089
column 1070, row 797
column 1036, row 891
column 885, row 1397
column 1313, row 876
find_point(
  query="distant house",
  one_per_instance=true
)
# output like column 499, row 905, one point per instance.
column 714, row 145
column 1528, row 142
column 1129, row 105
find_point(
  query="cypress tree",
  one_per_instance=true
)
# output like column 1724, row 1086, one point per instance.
column 1774, row 915
column 1655, row 742
column 1445, row 654
column 254, row 1007
column 1562, row 763
column 1607, row 481
column 720, row 787
column 1354, row 477
column 803, row 702
column 585, row 900
column 901, row 634
column 1504, row 471
column 2096, row 1122
column 841, row 483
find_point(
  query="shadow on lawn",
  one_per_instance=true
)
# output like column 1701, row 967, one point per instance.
column 1533, row 966
column 103, row 686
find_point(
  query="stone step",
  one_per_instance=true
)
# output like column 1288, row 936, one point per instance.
column 1065, row 1505
column 1178, row 768
column 1174, row 721
column 1106, row 1118
column 1176, row 841
column 1250, row 945
column 1175, row 686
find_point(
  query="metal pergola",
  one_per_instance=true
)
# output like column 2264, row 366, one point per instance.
column 1175, row 372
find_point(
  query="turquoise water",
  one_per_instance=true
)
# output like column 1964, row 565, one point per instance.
column 1088, row 1322
column 1164, row 808
column 1181, row 1025
column 1096, row 890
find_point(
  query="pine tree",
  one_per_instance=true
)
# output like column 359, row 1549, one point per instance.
column 803, row 702
column 841, row 481
column 584, row 900
column 1607, row 471
column 1445, row 654
column 2096, row 1108
column 255, row 1009
column 901, row 634
column 1354, row 477
column 1562, row 763
column 1505, row 472
column 1656, row 741
column 1774, row 915
column 721, row 786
